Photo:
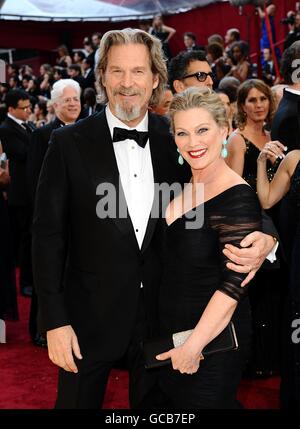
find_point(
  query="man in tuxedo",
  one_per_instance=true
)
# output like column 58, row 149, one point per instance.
column 286, row 127
column 15, row 135
column 97, row 276
column 88, row 73
column 65, row 96
column 190, row 42
column 286, row 122
column 294, row 34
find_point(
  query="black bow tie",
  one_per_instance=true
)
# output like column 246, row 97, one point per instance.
column 141, row 137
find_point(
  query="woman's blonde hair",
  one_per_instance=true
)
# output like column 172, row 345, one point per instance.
column 243, row 91
column 129, row 36
column 204, row 98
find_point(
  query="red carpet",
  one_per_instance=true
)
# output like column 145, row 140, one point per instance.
column 28, row 379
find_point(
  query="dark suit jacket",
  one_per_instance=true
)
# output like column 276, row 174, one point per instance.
column 89, row 80
column 85, row 112
column 15, row 142
column 286, row 125
column 39, row 143
column 198, row 48
column 286, row 129
column 98, row 291
column 291, row 38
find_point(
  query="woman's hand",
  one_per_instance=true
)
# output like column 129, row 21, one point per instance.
column 272, row 150
column 184, row 359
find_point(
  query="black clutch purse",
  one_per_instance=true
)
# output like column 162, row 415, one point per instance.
column 225, row 341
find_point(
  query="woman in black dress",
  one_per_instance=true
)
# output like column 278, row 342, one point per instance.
column 198, row 291
column 163, row 33
column 286, row 182
column 255, row 108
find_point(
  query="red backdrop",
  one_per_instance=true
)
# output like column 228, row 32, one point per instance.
column 216, row 18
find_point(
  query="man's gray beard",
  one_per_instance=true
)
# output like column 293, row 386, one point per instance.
column 128, row 115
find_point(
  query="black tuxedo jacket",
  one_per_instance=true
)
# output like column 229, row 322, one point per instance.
column 286, row 122
column 89, row 80
column 39, row 143
column 15, row 142
column 198, row 48
column 286, row 129
column 88, row 271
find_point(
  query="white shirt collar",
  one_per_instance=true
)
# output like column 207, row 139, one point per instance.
column 18, row 121
column 293, row 91
column 113, row 121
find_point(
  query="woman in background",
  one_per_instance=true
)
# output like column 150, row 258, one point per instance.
column 163, row 33
column 255, row 108
column 286, row 182
column 241, row 66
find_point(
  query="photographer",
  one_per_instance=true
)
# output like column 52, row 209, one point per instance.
column 294, row 34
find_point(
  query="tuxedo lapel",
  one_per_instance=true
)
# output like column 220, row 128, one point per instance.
column 96, row 149
column 17, row 128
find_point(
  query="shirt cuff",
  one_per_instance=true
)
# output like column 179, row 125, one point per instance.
column 272, row 255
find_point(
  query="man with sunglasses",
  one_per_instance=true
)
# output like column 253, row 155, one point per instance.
column 15, row 134
column 189, row 69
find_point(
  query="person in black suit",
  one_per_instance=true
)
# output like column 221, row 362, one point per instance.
column 286, row 122
column 286, row 130
column 74, row 72
column 286, row 126
column 294, row 34
column 95, row 246
column 65, row 95
column 189, row 40
column 15, row 134
column 88, row 73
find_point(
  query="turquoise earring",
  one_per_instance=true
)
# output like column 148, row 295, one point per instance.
column 180, row 159
column 224, row 151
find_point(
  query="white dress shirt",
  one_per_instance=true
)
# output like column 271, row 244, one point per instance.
column 18, row 121
column 293, row 91
column 86, row 73
column 272, row 255
column 136, row 174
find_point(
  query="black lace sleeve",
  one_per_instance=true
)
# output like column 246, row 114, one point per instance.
column 236, row 214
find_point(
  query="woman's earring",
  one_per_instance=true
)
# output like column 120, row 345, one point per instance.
column 224, row 151
column 180, row 159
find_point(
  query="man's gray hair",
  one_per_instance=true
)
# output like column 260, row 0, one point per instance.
column 134, row 36
column 60, row 85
